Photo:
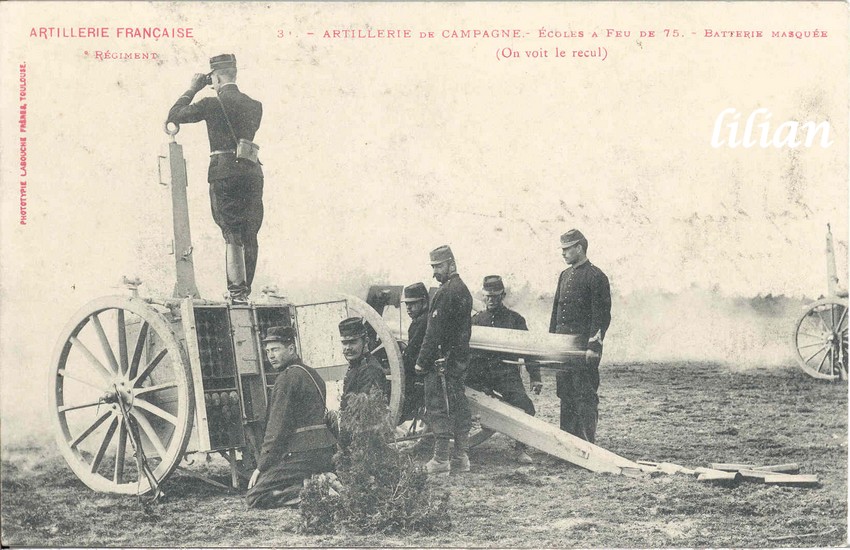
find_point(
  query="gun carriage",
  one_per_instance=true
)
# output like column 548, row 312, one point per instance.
column 139, row 384
column 820, row 333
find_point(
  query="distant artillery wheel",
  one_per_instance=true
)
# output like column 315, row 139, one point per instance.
column 384, row 348
column 820, row 339
column 107, row 399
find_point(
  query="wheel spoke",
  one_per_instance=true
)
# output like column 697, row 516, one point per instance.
column 154, row 362
column 823, row 321
column 158, row 387
column 90, row 429
column 64, row 373
column 150, row 432
column 137, row 352
column 66, row 408
column 841, row 319
column 377, row 349
column 104, row 343
column 810, row 335
column 151, row 408
column 815, row 353
column 118, row 473
column 825, row 355
column 99, row 367
column 122, row 342
column 810, row 345
column 95, row 464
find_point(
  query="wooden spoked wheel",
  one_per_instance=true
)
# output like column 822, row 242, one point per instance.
column 121, row 396
column 383, row 347
column 820, row 339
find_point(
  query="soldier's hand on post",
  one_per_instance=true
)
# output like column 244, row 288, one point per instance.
column 419, row 369
column 199, row 82
column 254, row 477
column 536, row 387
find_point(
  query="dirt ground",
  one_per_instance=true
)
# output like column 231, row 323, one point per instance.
column 687, row 413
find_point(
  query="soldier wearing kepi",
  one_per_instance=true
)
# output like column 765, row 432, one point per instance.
column 444, row 359
column 235, row 176
column 415, row 299
column 297, row 442
column 364, row 371
column 487, row 371
column 582, row 306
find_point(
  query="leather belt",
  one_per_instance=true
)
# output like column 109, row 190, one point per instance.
column 223, row 152
column 310, row 428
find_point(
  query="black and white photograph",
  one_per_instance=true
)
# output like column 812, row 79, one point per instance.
column 425, row 274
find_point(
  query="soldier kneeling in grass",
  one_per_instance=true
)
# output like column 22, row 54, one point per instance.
column 297, row 442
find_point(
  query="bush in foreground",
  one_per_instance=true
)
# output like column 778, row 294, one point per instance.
column 382, row 491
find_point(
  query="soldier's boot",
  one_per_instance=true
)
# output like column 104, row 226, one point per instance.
column 460, row 460
column 237, row 283
column 439, row 463
column 521, row 453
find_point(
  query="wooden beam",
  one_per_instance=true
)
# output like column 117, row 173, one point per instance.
column 731, row 467
column 790, row 468
column 753, row 475
column 792, row 480
column 718, row 476
column 498, row 415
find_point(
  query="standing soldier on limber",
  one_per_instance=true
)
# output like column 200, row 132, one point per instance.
column 488, row 372
column 444, row 358
column 235, row 175
column 582, row 306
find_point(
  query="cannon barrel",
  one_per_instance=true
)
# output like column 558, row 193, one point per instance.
column 552, row 351
column 556, row 351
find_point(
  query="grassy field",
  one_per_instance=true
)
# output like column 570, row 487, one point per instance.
column 687, row 413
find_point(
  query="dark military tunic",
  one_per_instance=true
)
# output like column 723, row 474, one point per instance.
column 582, row 301
column 297, row 442
column 413, row 392
column 447, row 335
column 487, row 372
column 582, row 306
column 361, row 377
column 236, row 186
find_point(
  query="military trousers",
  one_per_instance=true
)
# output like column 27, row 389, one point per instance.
column 284, row 481
column 458, row 418
column 237, row 209
column 504, row 379
column 577, row 388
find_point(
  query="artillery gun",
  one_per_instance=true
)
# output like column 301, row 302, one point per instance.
column 139, row 384
column 820, row 333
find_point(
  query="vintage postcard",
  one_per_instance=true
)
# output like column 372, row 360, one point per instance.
column 657, row 192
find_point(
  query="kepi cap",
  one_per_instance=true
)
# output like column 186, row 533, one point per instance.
column 414, row 293
column 493, row 285
column 223, row 61
column 351, row 328
column 571, row 237
column 285, row 335
column 441, row 254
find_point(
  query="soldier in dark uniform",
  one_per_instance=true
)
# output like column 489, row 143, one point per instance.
column 364, row 371
column 582, row 306
column 447, row 337
column 236, row 185
column 297, row 443
column 415, row 298
column 487, row 371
